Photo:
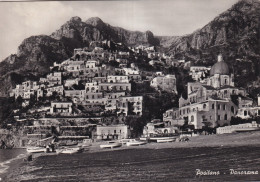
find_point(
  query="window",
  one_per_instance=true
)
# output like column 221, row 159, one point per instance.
column 192, row 118
column 218, row 106
column 224, row 107
column 204, row 106
column 212, row 106
column 225, row 117
column 218, row 117
column 232, row 109
column 245, row 113
column 115, row 131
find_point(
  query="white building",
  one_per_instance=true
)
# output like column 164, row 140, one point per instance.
column 135, row 101
column 117, row 79
column 61, row 107
column 248, row 112
column 112, row 132
column 166, row 83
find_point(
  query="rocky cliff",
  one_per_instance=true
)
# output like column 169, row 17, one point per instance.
column 94, row 29
column 239, row 26
column 235, row 33
column 37, row 53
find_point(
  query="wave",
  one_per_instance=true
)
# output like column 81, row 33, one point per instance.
column 6, row 164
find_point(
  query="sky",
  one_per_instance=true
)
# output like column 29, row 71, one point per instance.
column 20, row 20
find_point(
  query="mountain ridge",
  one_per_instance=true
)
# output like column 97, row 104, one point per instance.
column 235, row 33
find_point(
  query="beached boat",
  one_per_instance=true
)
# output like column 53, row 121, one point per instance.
column 111, row 145
column 35, row 149
column 69, row 150
column 124, row 141
column 86, row 143
column 134, row 142
column 162, row 140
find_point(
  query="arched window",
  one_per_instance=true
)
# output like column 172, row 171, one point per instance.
column 225, row 81
column 192, row 118
column 213, row 106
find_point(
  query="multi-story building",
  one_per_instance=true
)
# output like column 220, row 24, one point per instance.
column 54, row 78
column 248, row 112
column 117, row 87
column 130, row 105
column 91, row 87
column 61, row 108
column 117, row 79
column 209, row 105
column 59, row 89
column 166, row 83
column 112, row 132
column 198, row 72
column 80, row 94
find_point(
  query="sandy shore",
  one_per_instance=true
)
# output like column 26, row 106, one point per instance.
column 225, row 140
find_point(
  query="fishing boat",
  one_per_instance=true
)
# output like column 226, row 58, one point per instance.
column 72, row 150
column 35, row 149
column 124, row 141
column 86, row 143
column 134, row 142
column 163, row 140
column 111, row 145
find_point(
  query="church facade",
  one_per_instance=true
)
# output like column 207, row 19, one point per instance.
column 209, row 102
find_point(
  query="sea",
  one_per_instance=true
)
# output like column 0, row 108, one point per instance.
column 7, row 156
column 172, row 164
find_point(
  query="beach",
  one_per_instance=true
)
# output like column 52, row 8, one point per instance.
column 150, row 162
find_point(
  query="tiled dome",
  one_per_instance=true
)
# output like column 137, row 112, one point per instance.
column 220, row 67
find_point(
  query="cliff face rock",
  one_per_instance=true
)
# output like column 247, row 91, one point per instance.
column 240, row 24
column 34, row 57
column 37, row 53
column 94, row 29
column 235, row 33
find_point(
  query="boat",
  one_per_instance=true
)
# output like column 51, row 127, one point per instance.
column 124, row 141
column 111, row 145
column 69, row 150
column 162, row 140
column 35, row 149
column 86, row 143
column 134, row 142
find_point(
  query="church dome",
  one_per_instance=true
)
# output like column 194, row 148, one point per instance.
column 220, row 67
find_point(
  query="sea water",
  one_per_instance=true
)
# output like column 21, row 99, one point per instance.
column 9, row 155
column 180, row 164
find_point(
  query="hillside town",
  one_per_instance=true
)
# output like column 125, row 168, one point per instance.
column 95, row 94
